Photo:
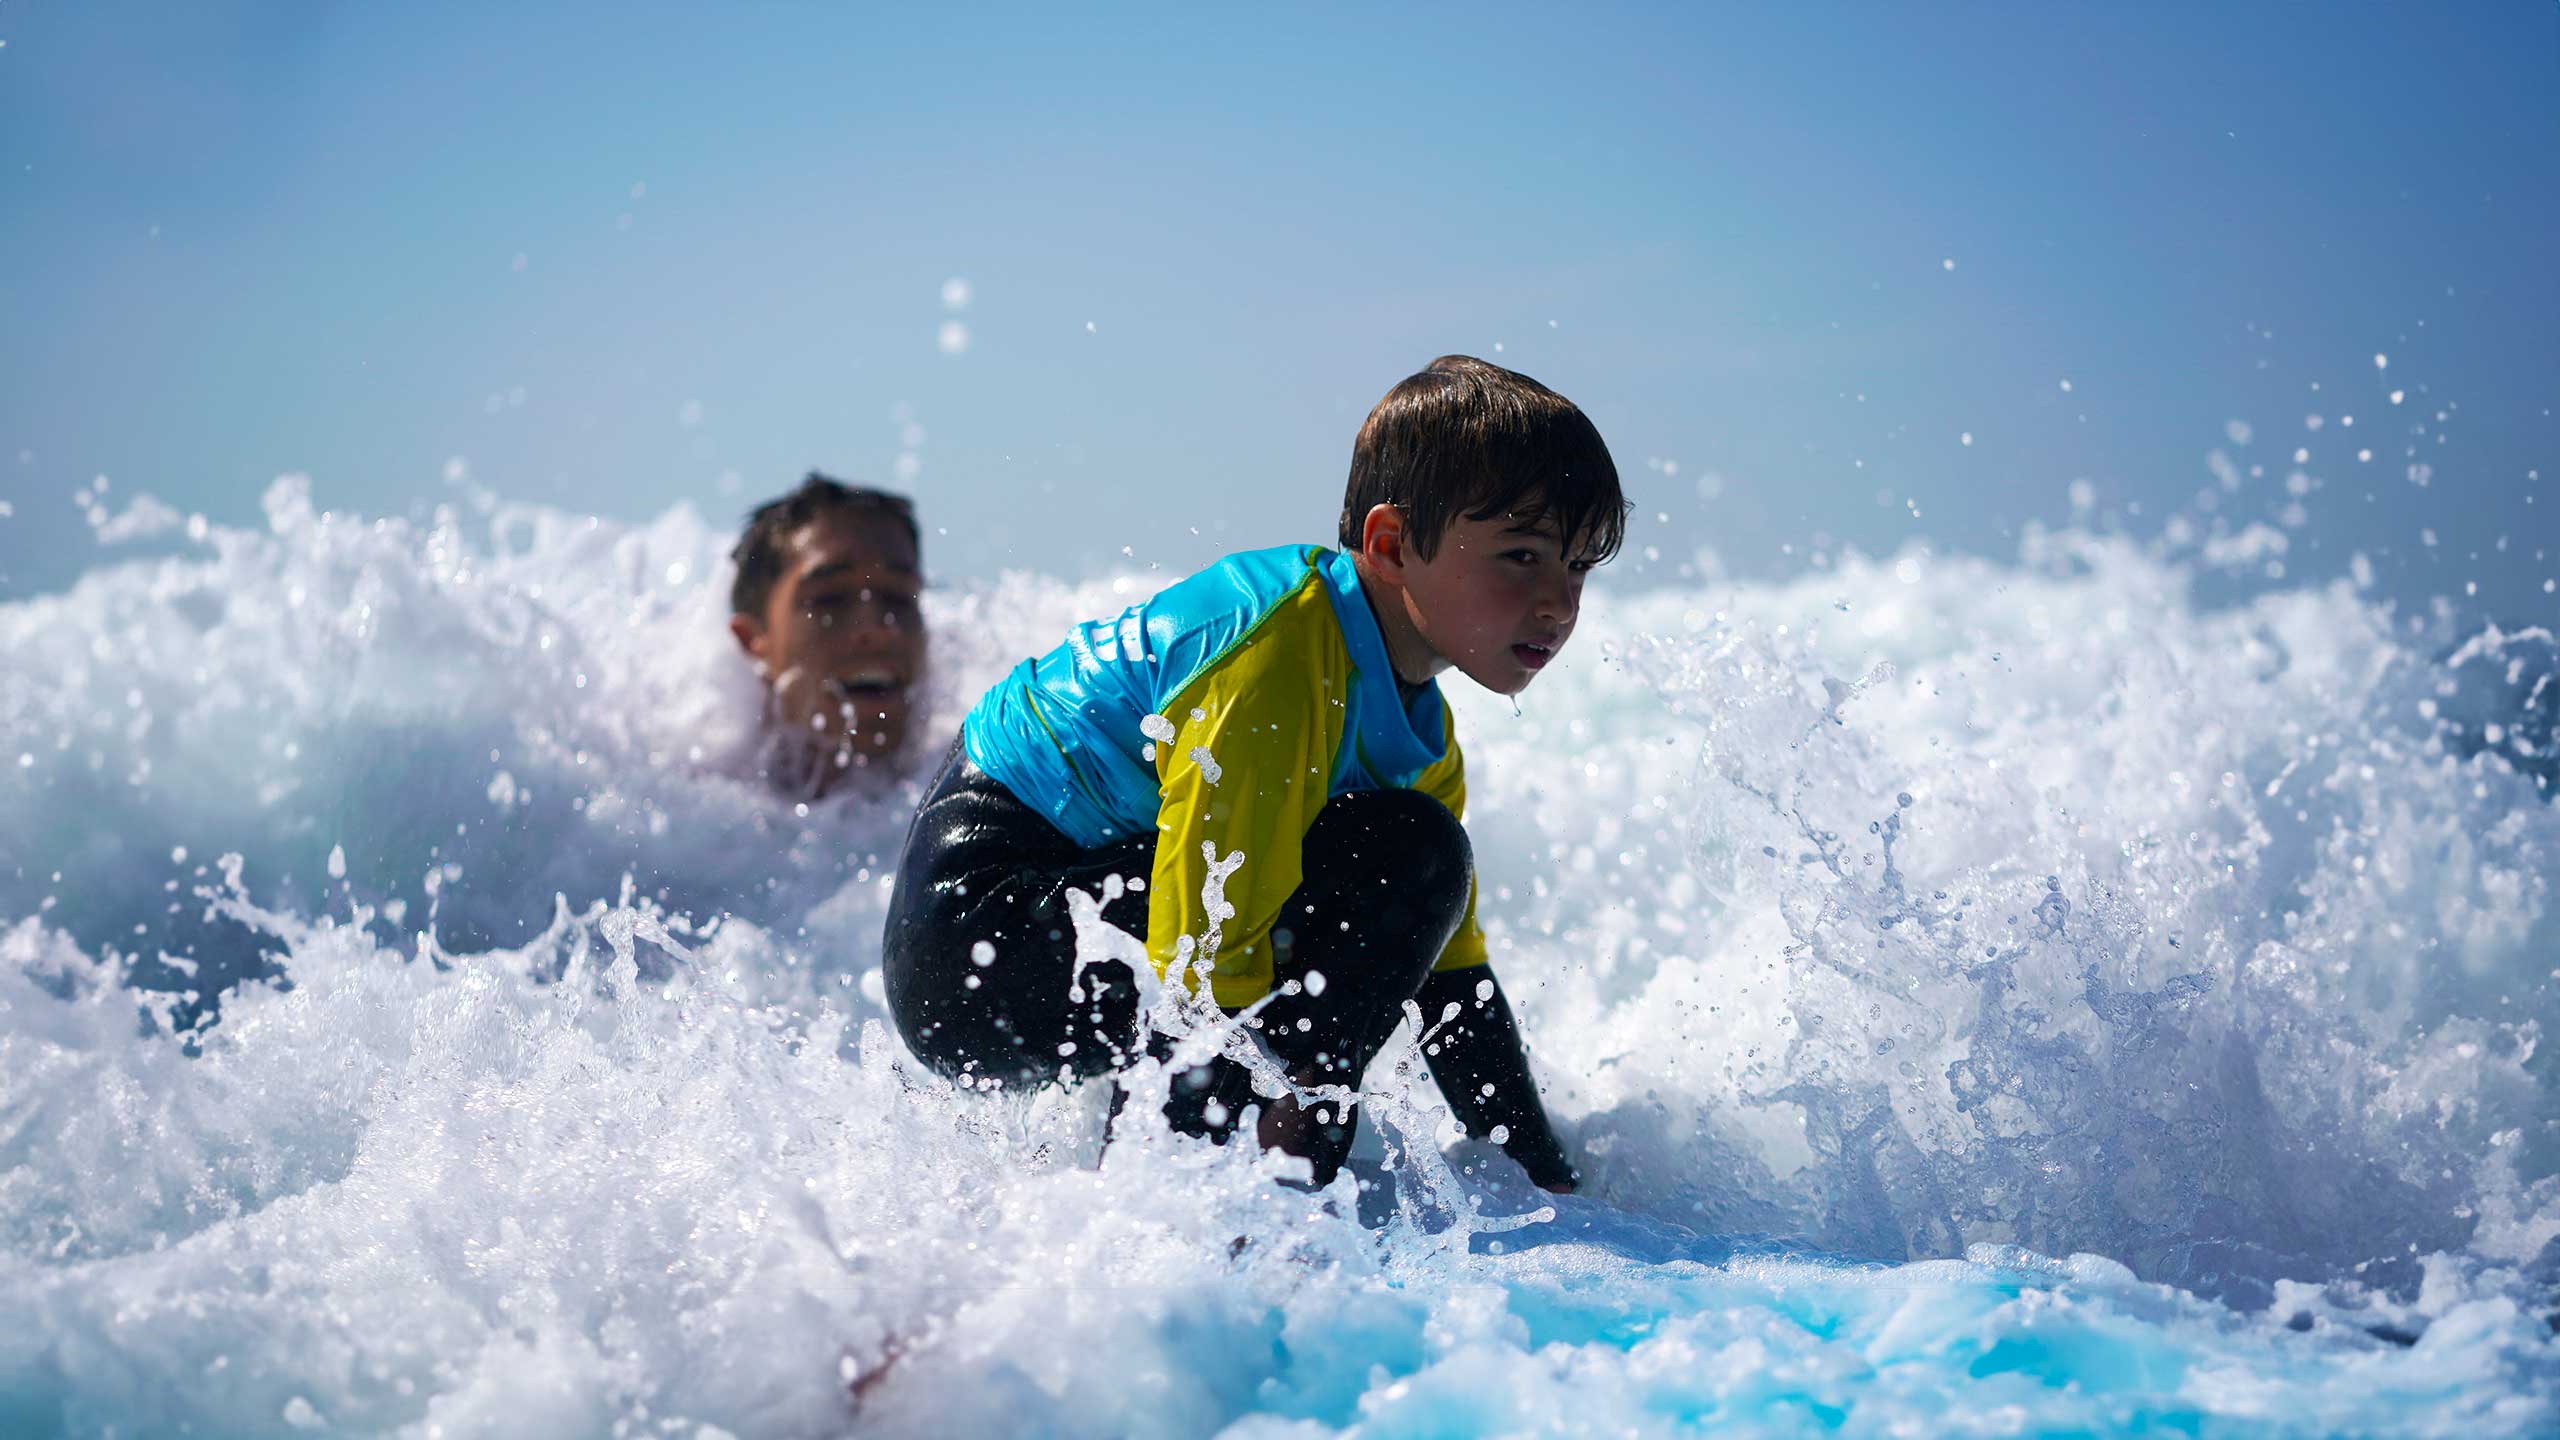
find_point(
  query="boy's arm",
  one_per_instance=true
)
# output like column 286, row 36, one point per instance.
column 1246, row 771
column 1446, row 782
column 1479, row 1051
column 1484, row 1073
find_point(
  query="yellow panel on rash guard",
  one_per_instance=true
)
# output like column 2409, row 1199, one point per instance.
column 1446, row 782
column 1265, row 720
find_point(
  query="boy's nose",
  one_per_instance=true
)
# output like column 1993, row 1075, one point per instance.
column 1557, row 602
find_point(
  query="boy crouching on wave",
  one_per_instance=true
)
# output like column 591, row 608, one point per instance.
column 1283, row 703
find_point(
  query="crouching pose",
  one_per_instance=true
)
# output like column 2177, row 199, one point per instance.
column 1281, row 705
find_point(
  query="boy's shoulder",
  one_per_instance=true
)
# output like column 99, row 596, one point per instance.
column 1269, row 573
column 1232, row 594
column 1228, row 609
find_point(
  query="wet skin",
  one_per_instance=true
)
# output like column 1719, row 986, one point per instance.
column 840, row 645
column 1496, row 601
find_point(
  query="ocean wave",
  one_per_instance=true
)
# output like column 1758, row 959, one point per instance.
column 417, row 1016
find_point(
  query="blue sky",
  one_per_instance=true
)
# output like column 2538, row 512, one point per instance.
column 621, row 257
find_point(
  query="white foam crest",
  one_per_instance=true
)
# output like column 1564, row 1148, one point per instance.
column 2054, row 912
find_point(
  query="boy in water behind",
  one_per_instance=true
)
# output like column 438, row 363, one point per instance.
column 1283, row 704
column 825, row 606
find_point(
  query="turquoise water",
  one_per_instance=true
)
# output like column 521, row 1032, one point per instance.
column 1879, row 936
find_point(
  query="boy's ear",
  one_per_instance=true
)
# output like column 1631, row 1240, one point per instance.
column 749, row 634
column 1382, row 537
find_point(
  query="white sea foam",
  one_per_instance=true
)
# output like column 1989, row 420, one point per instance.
column 1877, row 936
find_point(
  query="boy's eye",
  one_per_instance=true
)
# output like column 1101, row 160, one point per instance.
column 831, row 602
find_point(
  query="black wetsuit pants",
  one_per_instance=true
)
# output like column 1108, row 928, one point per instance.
column 979, row 963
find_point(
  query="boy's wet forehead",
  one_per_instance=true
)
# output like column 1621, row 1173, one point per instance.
column 872, row 545
column 1546, row 525
column 1514, row 525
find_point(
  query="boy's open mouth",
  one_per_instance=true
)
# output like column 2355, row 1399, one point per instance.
column 1533, row 655
column 870, row 682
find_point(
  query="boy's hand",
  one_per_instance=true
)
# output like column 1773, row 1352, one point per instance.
column 1484, row 1074
column 1542, row 1155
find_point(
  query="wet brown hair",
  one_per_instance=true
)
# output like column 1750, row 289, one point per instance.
column 769, row 526
column 1467, row 438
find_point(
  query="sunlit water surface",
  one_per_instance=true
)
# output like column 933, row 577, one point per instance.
column 416, row 1019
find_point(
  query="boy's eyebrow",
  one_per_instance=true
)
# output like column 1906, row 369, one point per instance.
column 839, row 567
column 1543, row 528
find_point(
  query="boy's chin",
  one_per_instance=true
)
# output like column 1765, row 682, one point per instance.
column 1506, row 680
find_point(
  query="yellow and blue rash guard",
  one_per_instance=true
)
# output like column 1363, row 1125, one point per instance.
column 1271, row 675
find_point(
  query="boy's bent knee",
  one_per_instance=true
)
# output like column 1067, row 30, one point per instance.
column 1402, row 840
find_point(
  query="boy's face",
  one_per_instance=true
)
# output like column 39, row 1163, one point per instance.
column 841, row 641
column 1497, row 600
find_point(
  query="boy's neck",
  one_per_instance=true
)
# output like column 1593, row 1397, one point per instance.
column 1412, row 657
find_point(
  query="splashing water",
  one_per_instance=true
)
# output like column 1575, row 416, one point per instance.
column 417, row 1017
